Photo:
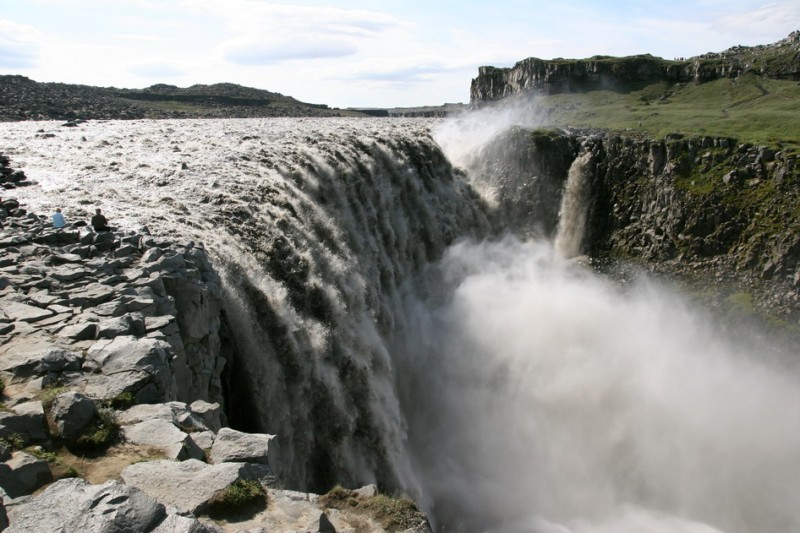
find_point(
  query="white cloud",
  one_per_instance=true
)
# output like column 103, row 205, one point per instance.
column 759, row 25
column 157, row 70
column 266, row 33
column 19, row 45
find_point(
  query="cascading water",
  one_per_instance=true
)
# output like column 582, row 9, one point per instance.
column 384, row 338
column 574, row 209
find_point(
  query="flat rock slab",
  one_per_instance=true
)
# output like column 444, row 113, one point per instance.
column 18, row 311
column 166, row 437
column 187, row 485
column 53, row 359
column 74, row 505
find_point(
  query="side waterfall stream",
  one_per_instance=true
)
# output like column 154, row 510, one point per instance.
column 389, row 333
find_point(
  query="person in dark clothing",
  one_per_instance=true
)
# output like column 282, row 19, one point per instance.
column 99, row 222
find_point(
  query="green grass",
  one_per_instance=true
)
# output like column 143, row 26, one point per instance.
column 242, row 498
column 749, row 108
column 394, row 514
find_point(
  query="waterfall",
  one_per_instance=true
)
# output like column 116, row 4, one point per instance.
column 574, row 208
column 387, row 333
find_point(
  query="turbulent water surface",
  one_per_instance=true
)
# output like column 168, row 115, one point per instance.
column 388, row 333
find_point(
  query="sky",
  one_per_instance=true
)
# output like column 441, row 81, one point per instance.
column 359, row 53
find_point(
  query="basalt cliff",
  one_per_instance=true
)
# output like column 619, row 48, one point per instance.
column 780, row 60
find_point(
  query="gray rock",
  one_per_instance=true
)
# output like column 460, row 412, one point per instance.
column 166, row 437
column 187, row 485
column 69, row 273
column 209, row 413
column 18, row 311
column 132, row 324
column 53, row 359
column 25, row 421
column 125, row 250
column 110, row 308
column 74, row 505
column 71, row 414
column 176, row 523
column 79, row 332
column 91, row 295
column 203, row 439
column 61, row 259
column 23, row 474
column 152, row 254
column 235, row 446
column 367, row 491
column 143, row 364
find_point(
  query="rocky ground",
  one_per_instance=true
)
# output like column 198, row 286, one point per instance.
column 24, row 99
column 113, row 418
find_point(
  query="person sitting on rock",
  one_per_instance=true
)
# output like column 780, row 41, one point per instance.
column 99, row 222
column 58, row 219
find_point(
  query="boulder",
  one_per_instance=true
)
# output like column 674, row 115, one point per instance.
column 23, row 474
column 74, row 505
column 71, row 414
column 235, row 446
column 25, row 421
column 142, row 364
column 187, row 485
column 209, row 413
column 166, row 437
column 203, row 439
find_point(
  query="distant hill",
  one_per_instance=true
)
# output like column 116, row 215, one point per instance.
column 746, row 92
column 24, row 99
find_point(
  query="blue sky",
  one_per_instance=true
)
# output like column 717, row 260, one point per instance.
column 357, row 53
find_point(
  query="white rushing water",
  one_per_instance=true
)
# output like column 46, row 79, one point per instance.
column 390, row 336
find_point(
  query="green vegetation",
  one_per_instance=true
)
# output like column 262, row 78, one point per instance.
column 749, row 108
column 123, row 400
column 59, row 467
column 394, row 514
column 103, row 431
column 49, row 394
column 241, row 496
